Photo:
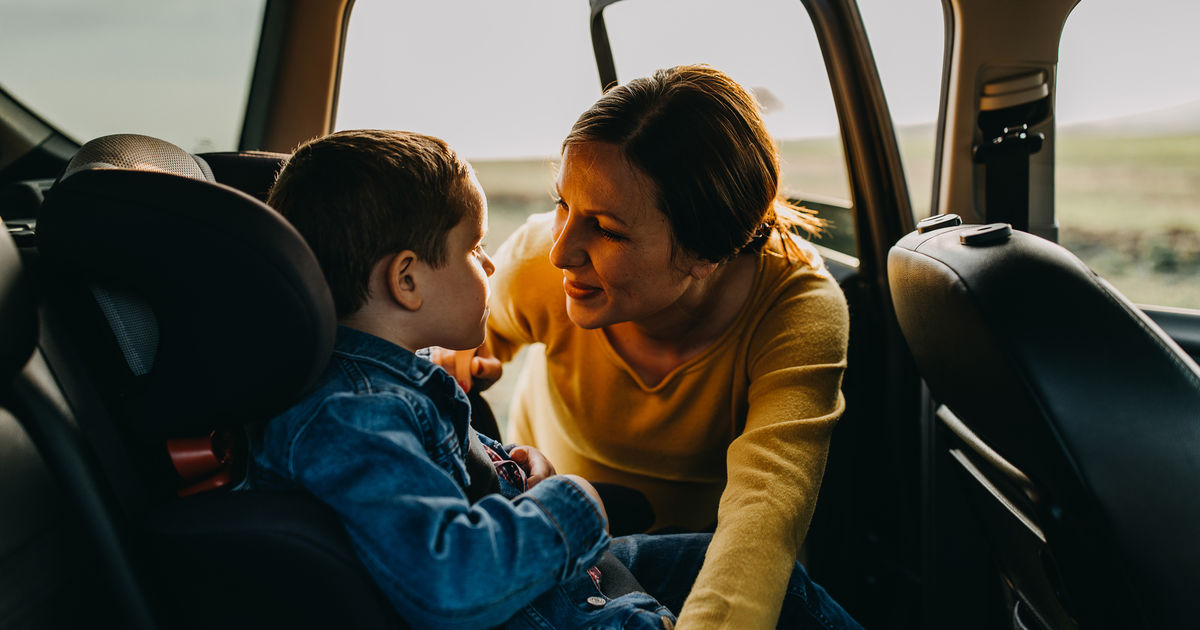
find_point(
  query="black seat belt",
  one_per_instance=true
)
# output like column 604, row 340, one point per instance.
column 1008, row 108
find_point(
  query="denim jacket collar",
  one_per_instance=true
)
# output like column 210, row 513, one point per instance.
column 360, row 346
column 415, row 370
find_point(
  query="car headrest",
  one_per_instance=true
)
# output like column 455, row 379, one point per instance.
column 1066, row 379
column 17, row 311
column 217, row 303
column 138, row 153
column 252, row 172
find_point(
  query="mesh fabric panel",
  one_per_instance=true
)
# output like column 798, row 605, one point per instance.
column 134, row 326
column 140, row 153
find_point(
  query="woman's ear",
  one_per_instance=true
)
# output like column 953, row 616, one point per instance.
column 402, row 281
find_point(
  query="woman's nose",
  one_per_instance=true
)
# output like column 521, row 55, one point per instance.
column 567, row 250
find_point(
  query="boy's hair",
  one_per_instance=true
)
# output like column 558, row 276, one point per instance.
column 358, row 196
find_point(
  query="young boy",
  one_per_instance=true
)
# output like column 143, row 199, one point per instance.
column 396, row 221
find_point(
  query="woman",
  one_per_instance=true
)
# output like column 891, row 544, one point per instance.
column 694, row 347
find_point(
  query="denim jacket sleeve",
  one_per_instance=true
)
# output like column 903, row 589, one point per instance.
column 442, row 561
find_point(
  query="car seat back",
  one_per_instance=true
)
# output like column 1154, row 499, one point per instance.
column 1073, row 418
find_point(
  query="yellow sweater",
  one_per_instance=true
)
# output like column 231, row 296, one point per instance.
column 738, row 434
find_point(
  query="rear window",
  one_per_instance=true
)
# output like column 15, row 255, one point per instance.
column 1127, row 154
column 179, row 71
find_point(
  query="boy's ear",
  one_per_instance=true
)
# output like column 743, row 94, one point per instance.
column 401, row 280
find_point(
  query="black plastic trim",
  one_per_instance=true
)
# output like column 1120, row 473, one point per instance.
column 605, row 65
column 277, row 14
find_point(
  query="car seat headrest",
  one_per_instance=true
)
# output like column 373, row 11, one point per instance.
column 138, row 153
column 216, row 302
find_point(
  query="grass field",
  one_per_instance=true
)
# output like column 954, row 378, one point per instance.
column 1128, row 206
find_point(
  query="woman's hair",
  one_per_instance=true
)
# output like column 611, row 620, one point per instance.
column 699, row 137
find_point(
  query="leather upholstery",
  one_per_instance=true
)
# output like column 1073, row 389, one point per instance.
column 1074, row 386
column 17, row 313
column 252, row 172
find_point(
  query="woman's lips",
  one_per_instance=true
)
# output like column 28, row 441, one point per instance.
column 579, row 291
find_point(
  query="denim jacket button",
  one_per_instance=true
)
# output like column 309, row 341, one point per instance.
column 596, row 601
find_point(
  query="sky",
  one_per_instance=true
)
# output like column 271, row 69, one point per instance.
column 507, row 78
column 1111, row 64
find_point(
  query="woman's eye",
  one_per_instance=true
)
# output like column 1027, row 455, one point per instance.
column 608, row 234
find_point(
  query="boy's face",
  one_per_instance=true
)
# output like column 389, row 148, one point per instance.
column 457, row 298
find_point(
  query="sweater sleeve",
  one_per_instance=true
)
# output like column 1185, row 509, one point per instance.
column 774, row 467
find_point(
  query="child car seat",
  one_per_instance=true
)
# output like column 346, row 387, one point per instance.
column 179, row 308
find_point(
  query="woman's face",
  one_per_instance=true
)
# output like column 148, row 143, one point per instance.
column 611, row 242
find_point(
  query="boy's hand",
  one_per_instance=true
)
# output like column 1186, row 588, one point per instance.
column 591, row 490
column 471, row 368
column 536, row 465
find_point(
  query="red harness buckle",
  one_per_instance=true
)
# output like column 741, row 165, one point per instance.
column 203, row 463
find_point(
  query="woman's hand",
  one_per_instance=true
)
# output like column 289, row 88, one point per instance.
column 538, row 468
column 471, row 368
column 536, row 465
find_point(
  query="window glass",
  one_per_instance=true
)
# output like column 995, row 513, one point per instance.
column 908, row 42
column 179, row 71
column 1127, row 154
column 502, row 87
column 502, row 82
column 771, row 50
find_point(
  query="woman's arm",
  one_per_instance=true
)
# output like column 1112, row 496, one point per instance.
column 774, row 468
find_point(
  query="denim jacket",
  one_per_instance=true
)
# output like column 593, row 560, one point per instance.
column 382, row 439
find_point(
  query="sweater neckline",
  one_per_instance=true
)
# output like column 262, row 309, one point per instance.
column 736, row 324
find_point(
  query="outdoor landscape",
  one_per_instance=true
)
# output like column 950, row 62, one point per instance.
column 1129, row 206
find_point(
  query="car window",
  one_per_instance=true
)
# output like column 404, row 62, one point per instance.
column 176, row 71
column 502, row 87
column 505, row 87
column 1127, row 161
column 908, row 42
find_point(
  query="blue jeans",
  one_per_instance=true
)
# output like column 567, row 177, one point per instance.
column 666, row 566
